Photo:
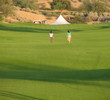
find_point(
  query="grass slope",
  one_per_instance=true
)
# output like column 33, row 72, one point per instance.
column 32, row 68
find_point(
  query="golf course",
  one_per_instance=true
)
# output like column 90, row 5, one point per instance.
column 33, row 68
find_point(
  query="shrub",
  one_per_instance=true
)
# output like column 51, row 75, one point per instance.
column 7, row 10
column 67, row 13
column 76, row 14
column 81, row 14
column 94, row 6
column 61, row 4
column 106, row 14
column 49, row 18
column 35, row 12
column 28, row 10
column 78, row 19
column 73, row 13
column 93, row 16
column 1, row 17
column 6, row 7
column 26, row 4
column 101, row 18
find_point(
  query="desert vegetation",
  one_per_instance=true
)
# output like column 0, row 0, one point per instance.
column 89, row 10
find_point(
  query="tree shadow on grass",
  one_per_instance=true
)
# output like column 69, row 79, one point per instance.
column 34, row 30
column 27, row 29
column 17, row 96
column 75, row 30
column 105, row 27
column 29, row 67
column 58, row 74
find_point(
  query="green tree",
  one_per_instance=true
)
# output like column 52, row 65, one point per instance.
column 61, row 4
column 6, row 7
column 94, row 6
column 26, row 4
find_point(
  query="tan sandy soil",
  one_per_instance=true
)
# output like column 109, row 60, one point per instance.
column 44, row 3
column 10, row 19
column 30, row 16
column 75, row 4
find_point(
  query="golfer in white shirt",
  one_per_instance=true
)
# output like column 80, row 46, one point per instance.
column 51, row 36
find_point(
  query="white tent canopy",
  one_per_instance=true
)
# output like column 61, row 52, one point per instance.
column 60, row 20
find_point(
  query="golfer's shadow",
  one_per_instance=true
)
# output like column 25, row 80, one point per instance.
column 17, row 96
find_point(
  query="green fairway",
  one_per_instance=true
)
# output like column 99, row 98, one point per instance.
column 32, row 68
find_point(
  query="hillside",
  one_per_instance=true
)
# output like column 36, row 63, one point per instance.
column 45, row 4
column 44, row 12
column 28, row 16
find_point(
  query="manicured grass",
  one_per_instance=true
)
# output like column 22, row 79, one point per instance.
column 32, row 68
